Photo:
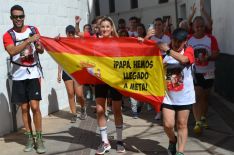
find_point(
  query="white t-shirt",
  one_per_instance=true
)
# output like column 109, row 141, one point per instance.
column 204, row 47
column 180, row 87
column 132, row 33
column 164, row 39
column 26, row 57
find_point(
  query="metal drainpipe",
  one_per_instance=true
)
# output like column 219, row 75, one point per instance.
column 176, row 13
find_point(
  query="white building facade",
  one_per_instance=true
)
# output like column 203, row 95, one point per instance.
column 51, row 17
column 146, row 10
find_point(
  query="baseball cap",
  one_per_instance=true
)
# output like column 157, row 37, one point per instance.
column 180, row 34
column 70, row 28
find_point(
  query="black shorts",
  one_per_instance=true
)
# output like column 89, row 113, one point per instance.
column 202, row 82
column 177, row 107
column 26, row 90
column 66, row 77
column 101, row 91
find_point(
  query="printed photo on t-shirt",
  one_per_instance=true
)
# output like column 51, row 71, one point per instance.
column 200, row 55
column 175, row 77
column 26, row 56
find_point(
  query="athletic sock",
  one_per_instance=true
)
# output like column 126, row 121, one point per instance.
column 103, row 131
column 119, row 132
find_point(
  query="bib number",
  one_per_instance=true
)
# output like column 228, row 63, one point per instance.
column 209, row 75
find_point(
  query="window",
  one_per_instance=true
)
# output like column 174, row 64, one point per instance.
column 134, row 4
column 97, row 8
column 162, row 1
column 183, row 11
column 112, row 5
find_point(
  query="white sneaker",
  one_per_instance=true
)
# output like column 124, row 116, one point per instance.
column 158, row 116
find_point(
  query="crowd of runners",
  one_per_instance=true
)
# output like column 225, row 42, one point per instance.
column 188, row 53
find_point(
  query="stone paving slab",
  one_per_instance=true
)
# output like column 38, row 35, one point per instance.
column 143, row 136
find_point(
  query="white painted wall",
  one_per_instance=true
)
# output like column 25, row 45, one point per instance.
column 51, row 17
column 147, row 10
column 222, row 13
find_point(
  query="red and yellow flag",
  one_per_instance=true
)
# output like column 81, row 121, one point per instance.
column 133, row 68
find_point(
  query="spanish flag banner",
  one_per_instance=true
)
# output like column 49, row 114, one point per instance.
column 132, row 67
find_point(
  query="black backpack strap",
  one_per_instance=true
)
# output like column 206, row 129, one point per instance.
column 23, row 64
column 12, row 34
column 33, row 29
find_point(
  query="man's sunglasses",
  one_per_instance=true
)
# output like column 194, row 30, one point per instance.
column 17, row 16
column 71, row 32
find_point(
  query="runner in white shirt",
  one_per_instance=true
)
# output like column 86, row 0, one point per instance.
column 206, row 51
column 157, row 34
column 180, row 94
column 23, row 45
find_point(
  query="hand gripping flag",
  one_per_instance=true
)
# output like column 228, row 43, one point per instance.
column 132, row 67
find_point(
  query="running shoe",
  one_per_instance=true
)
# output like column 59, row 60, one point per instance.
column 74, row 119
column 120, row 147
column 29, row 145
column 103, row 147
column 135, row 115
column 197, row 128
column 204, row 122
column 172, row 147
column 83, row 114
column 40, row 146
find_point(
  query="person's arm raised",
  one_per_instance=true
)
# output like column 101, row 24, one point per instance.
column 204, row 13
column 77, row 27
column 181, row 58
column 193, row 9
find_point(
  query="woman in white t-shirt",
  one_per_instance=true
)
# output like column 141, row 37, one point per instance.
column 206, row 51
column 180, row 93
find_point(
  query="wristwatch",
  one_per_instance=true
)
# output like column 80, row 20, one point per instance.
column 168, row 51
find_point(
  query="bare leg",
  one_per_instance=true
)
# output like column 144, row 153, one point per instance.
column 204, row 105
column 37, row 119
column 182, row 120
column 80, row 94
column 25, row 108
column 100, row 107
column 71, row 95
column 197, row 106
column 117, row 111
column 169, row 123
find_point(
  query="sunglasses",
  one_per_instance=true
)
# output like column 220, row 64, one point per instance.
column 71, row 32
column 17, row 16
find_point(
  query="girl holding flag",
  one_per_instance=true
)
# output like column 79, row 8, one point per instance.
column 108, row 30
